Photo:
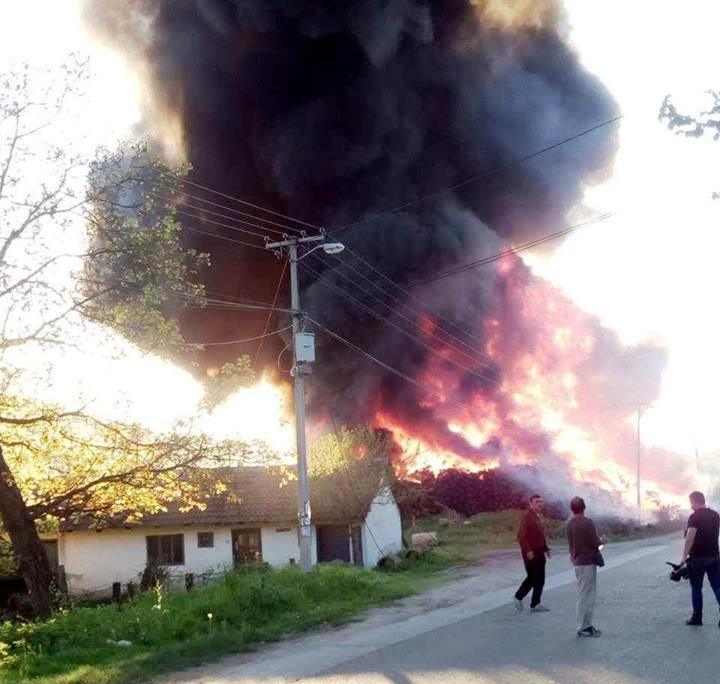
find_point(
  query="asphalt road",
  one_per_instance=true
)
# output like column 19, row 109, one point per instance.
column 483, row 640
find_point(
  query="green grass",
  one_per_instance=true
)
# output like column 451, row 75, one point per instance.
column 173, row 631
column 469, row 541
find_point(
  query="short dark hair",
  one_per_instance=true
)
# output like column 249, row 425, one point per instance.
column 577, row 505
column 698, row 498
column 534, row 497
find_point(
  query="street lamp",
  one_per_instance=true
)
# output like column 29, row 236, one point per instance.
column 303, row 355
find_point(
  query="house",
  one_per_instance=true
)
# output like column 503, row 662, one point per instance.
column 355, row 519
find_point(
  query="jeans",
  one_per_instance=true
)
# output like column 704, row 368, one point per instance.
column 535, row 579
column 587, row 591
column 699, row 567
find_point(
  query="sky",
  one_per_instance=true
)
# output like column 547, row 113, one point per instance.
column 649, row 273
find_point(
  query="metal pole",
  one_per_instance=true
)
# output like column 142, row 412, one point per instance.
column 304, row 517
column 639, row 497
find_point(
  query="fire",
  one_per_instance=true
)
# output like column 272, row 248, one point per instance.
column 540, row 413
column 255, row 413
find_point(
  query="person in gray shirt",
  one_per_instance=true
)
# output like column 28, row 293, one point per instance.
column 585, row 555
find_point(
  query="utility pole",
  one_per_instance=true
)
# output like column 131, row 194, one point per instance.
column 303, row 355
column 640, row 411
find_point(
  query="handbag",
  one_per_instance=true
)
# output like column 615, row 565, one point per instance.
column 598, row 559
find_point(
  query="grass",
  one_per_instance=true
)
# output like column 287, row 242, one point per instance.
column 173, row 631
column 469, row 540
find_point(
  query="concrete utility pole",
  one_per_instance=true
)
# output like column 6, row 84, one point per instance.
column 303, row 355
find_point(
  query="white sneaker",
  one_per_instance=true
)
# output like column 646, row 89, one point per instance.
column 539, row 608
column 518, row 604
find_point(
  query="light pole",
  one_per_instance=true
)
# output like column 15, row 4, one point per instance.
column 303, row 355
column 640, row 411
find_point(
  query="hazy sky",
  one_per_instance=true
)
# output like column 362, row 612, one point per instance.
column 650, row 273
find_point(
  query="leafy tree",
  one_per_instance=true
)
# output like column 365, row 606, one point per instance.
column 89, row 241
column 694, row 126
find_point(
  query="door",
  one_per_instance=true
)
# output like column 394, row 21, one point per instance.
column 246, row 546
column 51, row 551
column 333, row 543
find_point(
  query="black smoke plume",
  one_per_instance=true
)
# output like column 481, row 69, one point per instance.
column 335, row 110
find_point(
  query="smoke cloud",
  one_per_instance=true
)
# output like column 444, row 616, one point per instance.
column 332, row 111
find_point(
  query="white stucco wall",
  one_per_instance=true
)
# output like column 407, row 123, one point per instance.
column 94, row 560
column 382, row 531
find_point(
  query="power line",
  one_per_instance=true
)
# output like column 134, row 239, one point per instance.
column 384, row 365
column 474, row 179
column 228, row 218
column 512, row 251
column 243, row 341
column 472, row 358
column 387, row 321
column 417, row 312
column 415, row 298
column 221, row 237
column 269, row 316
column 197, row 198
column 250, row 204
column 224, row 225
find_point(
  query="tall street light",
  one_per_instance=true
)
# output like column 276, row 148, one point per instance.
column 303, row 345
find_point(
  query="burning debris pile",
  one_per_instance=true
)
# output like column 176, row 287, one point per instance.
column 333, row 111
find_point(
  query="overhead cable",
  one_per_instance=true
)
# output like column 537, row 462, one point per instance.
column 250, row 204
column 482, row 176
column 471, row 357
column 386, row 366
column 387, row 321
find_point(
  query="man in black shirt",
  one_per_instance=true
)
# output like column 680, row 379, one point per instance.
column 702, row 553
column 533, row 545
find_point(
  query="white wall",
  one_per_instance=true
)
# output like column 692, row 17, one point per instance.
column 94, row 560
column 382, row 531
column 280, row 544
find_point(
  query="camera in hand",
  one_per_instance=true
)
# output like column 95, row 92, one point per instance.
column 679, row 572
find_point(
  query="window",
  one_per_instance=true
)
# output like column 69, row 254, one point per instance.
column 206, row 540
column 166, row 549
column 247, row 547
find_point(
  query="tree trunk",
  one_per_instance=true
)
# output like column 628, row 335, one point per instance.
column 32, row 560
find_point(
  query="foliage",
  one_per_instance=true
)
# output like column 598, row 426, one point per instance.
column 345, row 448
column 8, row 565
column 79, row 645
column 104, row 469
column 220, row 384
column 138, row 274
column 694, row 126
column 89, row 247
column 469, row 540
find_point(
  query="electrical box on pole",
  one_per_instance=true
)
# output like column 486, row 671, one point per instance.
column 305, row 347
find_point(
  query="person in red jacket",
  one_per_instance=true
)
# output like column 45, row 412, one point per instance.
column 533, row 545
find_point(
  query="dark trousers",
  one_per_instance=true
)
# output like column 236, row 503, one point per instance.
column 699, row 567
column 535, row 579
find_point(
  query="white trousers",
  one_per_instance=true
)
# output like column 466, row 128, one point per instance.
column 587, row 591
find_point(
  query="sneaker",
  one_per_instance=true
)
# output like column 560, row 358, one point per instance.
column 539, row 608
column 694, row 621
column 589, row 632
column 518, row 604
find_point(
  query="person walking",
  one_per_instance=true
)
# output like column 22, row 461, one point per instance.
column 702, row 554
column 585, row 555
column 533, row 545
